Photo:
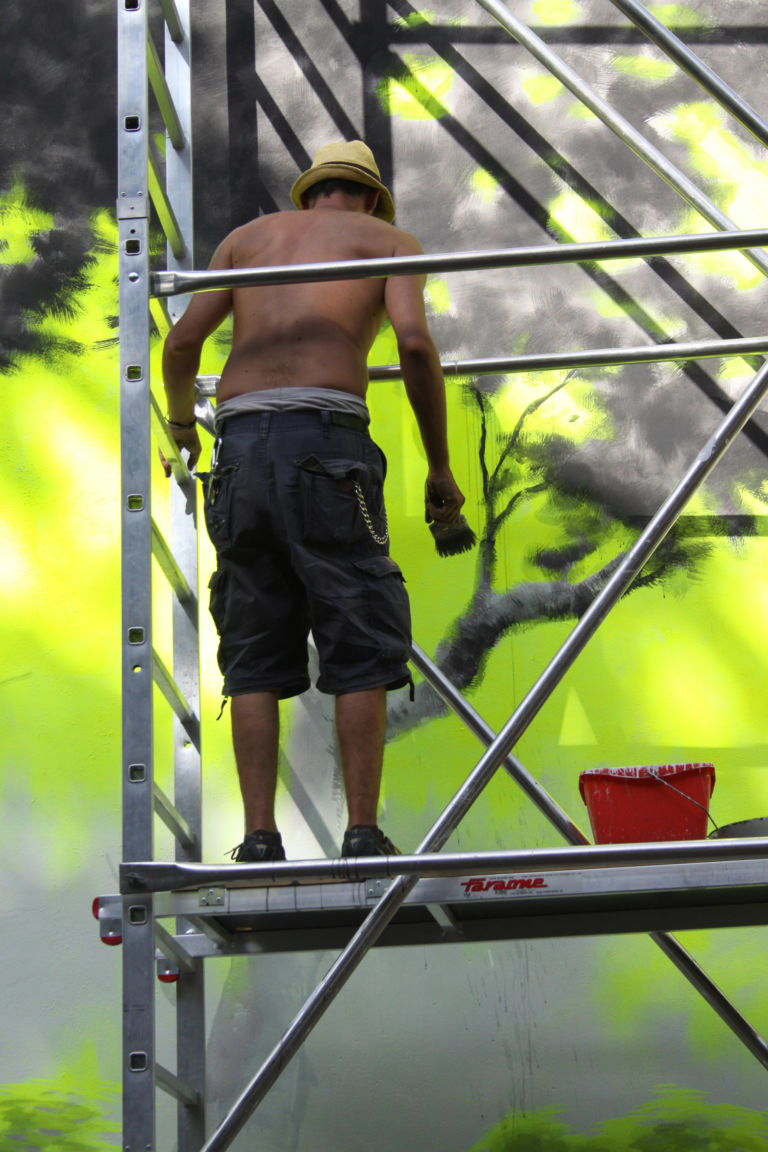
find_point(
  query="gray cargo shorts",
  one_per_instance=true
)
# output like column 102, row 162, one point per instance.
column 294, row 508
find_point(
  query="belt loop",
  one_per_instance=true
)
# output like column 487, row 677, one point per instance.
column 264, row 426
column 326, row 419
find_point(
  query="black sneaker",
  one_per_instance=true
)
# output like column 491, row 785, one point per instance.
column 367, row 840
column 259, row 847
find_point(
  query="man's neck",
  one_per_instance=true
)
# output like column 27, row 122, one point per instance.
column 339, row 202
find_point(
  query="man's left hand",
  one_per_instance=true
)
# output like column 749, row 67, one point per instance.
column 184, row 438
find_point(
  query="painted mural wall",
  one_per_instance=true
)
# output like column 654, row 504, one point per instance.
column 549, row 1044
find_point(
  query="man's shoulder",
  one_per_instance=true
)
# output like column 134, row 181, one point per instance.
column 406, row 242
column 390, row 239
column 269, row 222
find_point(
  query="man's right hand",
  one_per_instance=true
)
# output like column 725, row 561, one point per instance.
column 443, row 498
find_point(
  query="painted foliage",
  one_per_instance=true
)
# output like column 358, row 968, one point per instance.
column 547, row 1044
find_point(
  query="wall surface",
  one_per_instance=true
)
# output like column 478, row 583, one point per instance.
column 552, row 1044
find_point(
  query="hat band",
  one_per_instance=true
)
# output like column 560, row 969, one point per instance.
column 347, row 164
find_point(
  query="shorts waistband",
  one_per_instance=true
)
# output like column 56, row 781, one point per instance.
column 245, row 420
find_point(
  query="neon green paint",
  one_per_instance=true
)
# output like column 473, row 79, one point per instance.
column 384, row 349
column 557, row 11
column 755, row 503
column 675, row 326
column 731, row 268
column 64, row 555
column 573, row 407
column 484, row 186
column 579, row 111
column 735, row 368
column 540, row 87
column 716, row 151
column 576, row 217
column 680, row 16
column 420, row 91
column 65, row 496
column 648, row 68
column 686, row 1120
column 740, row 171
column 677, row 1119
column 415, row 19
column 50, row 1116
column 19, row 223
column 576, row 728
column 438, row 296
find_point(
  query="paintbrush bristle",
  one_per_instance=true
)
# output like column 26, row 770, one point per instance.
column 452, row 539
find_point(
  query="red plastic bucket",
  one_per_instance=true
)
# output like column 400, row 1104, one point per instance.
column 640, row 804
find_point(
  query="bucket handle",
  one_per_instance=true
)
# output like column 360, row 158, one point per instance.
column 690, row 799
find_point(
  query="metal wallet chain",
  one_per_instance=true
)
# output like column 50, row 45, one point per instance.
column 367, row 517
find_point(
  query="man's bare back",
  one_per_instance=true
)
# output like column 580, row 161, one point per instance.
column 311, row 336
column 316, row 334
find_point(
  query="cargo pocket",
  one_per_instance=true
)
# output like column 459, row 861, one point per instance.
column 341, row 502
column 217, row 586
column 389, row 611
column 217, row 505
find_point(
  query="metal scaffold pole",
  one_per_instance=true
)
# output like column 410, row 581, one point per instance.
column 137, row 728
column 139, row 181
column 143, row 176
column 498, row 749
column 617, row 123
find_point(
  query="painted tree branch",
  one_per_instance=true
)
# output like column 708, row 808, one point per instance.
column 462, row 655
column 490, row 615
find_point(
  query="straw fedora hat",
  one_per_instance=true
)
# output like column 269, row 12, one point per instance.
column 346, row 161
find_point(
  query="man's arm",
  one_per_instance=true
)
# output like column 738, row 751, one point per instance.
column 424, row 384
column 181, row 356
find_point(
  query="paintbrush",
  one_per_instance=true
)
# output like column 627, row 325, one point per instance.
column 450, row 539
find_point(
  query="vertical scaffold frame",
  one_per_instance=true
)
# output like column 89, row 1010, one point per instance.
column 141, row 179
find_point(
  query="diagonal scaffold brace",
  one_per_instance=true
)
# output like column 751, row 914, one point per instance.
column 498, row 749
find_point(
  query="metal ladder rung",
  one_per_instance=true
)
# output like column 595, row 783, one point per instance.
column 166, row 217
column 181, row 473
column 158, row 307
column 176, row 1087
column 166, row 944
column 173, row 574
column 446, row 919
column 171, row 691
column 172, row 20
column 173, row 819
column 163, row 96
column 211, row 929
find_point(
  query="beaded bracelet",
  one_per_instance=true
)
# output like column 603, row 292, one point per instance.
column 176, row 424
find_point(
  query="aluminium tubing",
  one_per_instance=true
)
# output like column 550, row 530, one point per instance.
column 668, row 943
column 368, row 933
column 173, row 283
column 679, row 52
column 728, row 1013
column 589, row 358
column 159, row 876
column 558, row 361
column 633, row 561
column 529, row 784
column 618, row 124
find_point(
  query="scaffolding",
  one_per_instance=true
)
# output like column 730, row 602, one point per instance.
column 430, row 897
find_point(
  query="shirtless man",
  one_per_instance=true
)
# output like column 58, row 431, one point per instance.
column 294, row 502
